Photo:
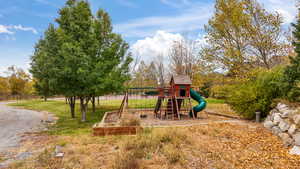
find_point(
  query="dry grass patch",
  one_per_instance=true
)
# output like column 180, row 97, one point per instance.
column 238, row 146
column 243, row 145
column 220, row 108
column 146, row 146
column 80, row 152
column 130, row 121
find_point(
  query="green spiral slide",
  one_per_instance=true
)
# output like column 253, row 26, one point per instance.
column 202, row 103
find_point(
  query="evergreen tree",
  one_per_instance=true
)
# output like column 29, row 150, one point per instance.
column 292, row 72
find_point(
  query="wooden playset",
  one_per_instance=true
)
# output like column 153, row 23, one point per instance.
column 173, row 102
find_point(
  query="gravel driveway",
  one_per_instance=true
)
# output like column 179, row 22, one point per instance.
column 14, row 122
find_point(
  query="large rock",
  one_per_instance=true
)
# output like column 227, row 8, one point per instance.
column 284, row 126
column 277, row 119
column 268, row 118
column 295, row 150
column 282, row 107
column 285, row 110
column 276, row 130
column 296, row 119
column 287, row 140
column 292, row 129
column 268, row 124
column 287, row 113
column 272, row 113
column 297, row 138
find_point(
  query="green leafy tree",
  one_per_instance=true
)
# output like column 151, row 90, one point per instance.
column 77, row 46
column 257, row 94
column 111, row 57
column 91, row 60
column 42, row 62
column 292, row 72
column 242, row 35
column 17, row 81
column 81, row 58
column 4, row 86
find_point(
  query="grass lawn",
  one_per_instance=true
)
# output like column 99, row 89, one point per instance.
column 148, row 103
column 66, row 125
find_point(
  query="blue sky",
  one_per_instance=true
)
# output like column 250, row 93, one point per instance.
column 148, row 25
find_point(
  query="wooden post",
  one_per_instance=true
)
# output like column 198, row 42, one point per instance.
column 191, row 107
column 177, row 109
column 173, row 112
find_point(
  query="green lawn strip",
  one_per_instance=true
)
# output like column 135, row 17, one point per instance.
column 149, row 103
column 68, row 126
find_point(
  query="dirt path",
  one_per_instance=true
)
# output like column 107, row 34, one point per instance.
column 14, row 122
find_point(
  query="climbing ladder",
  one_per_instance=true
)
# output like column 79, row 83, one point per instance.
column 172, row 107
column 124, row 105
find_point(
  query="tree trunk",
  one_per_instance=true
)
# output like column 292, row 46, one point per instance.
column 72, row 101
column 83, row 107
column 45, row 98
column 98, row 100
column 93, row 104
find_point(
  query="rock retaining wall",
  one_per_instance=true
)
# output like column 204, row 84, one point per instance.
column 284, row 121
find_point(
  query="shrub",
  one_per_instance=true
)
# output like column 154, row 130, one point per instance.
column 220, row 91
column 294, row 94
column 205, row 89
column 258, row 93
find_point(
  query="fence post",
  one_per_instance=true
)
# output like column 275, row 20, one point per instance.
column 257, row 117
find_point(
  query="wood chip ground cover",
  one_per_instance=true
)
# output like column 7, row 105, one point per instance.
column 245, row 145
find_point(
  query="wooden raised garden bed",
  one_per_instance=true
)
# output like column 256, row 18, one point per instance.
column 115, row 130
column 110, row 126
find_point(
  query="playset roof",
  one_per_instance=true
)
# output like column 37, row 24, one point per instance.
column 181, row 79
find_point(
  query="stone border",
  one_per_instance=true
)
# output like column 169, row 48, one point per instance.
column 284, row 122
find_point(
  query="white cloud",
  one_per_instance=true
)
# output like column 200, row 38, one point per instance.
column 22, row 28
column 4, row 29
column 190, row 19
column 151, row 47
column 287, row 8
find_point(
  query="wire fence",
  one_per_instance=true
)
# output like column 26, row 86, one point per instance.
column 138, row 98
